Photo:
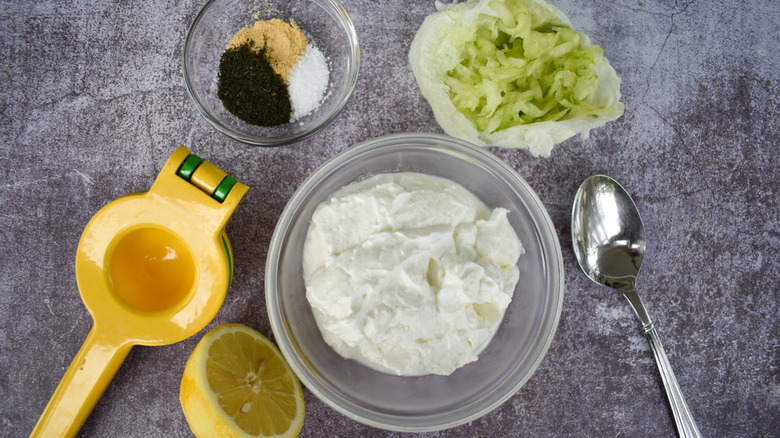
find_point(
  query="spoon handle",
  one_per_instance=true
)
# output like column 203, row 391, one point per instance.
column 686, row 426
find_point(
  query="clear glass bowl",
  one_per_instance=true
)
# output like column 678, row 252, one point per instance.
column 424, row 403
column 324, row 22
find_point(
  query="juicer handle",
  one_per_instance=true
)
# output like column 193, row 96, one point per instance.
column 89, row 373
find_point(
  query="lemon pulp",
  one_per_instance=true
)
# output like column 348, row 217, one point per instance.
column 237, row 383
column 251, row 384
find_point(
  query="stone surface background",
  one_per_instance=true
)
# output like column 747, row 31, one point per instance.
column 92, row 102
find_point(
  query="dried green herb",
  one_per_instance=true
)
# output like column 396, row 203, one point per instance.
column 250, row 88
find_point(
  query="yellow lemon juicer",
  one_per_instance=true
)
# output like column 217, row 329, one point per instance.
column 152, row 268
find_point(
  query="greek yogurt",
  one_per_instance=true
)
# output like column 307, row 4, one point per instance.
column 408, row 273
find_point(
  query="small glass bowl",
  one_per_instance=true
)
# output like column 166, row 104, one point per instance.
column 422, row 403
column 323, row 22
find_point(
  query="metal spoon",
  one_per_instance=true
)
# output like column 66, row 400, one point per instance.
column 609, row 242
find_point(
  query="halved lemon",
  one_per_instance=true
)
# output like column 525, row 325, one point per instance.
column 237, row 384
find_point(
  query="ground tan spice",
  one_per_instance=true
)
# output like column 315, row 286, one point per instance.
column 284, row 43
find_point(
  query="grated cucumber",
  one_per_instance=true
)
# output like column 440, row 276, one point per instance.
column 516, row 71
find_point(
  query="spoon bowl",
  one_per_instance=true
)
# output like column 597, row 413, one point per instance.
column 608, row 237
column 607, row 233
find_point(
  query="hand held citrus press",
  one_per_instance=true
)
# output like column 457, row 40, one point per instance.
column 152, row 268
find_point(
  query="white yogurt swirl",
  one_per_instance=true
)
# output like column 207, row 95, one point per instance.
column 409, row 273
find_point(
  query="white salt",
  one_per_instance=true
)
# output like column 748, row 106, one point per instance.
column 307, row 82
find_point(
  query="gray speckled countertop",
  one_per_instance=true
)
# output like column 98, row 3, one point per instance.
column 93, row 102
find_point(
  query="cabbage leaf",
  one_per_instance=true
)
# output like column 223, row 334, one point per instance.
column 512, row 73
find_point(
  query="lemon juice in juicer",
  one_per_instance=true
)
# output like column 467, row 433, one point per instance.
column 152, row 268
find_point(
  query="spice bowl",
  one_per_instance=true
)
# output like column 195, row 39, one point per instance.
column 326, row 26
column 426, row 402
